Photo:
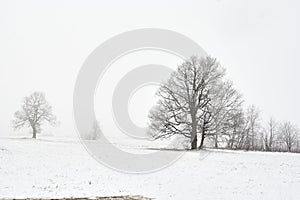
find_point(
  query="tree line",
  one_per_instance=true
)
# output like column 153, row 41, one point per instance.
column 200, row 104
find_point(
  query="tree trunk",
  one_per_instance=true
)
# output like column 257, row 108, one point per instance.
column 270, row 141
column 194, row 129
column 233, row 138
column 34, row 132
column 216, row 141
column 202, row 138
column 289, row 148
column 194, row 135
column 194, row 142
column 231, row 143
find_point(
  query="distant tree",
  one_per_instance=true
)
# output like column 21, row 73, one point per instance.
column 94, row 133
column 289, row 134
column 184, row 99
column 34, row 112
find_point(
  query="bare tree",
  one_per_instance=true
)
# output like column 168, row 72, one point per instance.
column 253, row 128
column 225, row 102
column 236, row 129
column 35, row 111
column 94, row 133
column 184, row 99
column 269, row 134
column 288, row 135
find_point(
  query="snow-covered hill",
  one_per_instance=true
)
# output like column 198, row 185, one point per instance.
column 63, row 168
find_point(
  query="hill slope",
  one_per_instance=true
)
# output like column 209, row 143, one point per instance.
column 58, row 168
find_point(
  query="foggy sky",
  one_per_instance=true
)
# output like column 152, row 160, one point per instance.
column 44, row 43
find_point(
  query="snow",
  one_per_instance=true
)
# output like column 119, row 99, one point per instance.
column 52, row 167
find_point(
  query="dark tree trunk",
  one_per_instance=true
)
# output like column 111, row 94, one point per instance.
column 34, row 132
column 194, row 142
column 202, row 138
column 231, row 144
column 194, row 130
column 216, row 141
column 267, row 147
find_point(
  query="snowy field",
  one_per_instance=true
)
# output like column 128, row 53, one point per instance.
column 63, row 168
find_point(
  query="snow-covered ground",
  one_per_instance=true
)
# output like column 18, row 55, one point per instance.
column 63, row 168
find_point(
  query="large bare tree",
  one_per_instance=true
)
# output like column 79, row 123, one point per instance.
column 185, row 99
column 34, row 112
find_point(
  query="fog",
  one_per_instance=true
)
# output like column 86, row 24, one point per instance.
column 44, row 43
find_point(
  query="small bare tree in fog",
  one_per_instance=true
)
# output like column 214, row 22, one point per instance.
column 35, row 111
column 94, row 133
column 184, row 98
column 288, row 135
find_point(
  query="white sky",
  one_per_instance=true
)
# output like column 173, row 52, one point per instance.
column 44, row 43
